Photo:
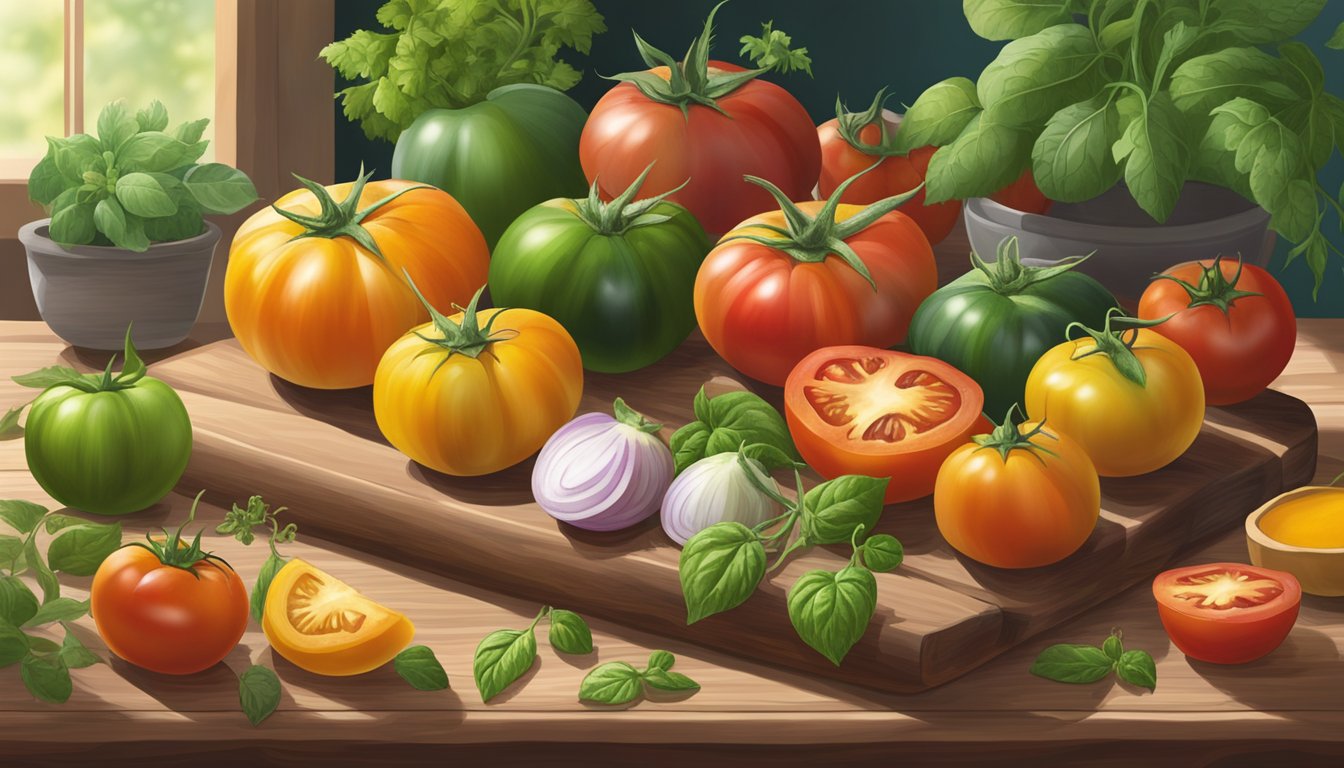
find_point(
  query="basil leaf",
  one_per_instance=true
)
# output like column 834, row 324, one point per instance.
column 1266, row 21
column 939, row 115
column 18, row 604
column 11, row 551
column 265, row 575
column 74, row 155
column 13, row 645
column 1336, row 40
column 663, row 680
column 116, row 125
column 418, row 666
column 1137, row 668
column 79, row 550
column 1069, row 663
column 258, row 693
column 1034, row 77
column 615, row 682
column 1011, row 19
column 661, row 660
column 59, row 609
column 110, row 219
column 191, row 132
column 719, row 569
column 57, row 522
column 768, row 456
column 1157, row 160
column 9, row 426
column 985, row 158
column 73, row 225
column 831, row 611
column 1272, row 156
column 51, row 588
column 569, row 633
column 151, row 151
column 142, row 195
column 725, row 423
column 833, row 509
column 1112, row 647
column 47, row 678
column 152, row 118
column 1204, row 82
column 501, row 658
column 219, row 188
column 882, row 553
column 42, row 645
column 1071, row 160
column 184, row 224
column 45, row 182
column 22, row 516
column 75, row 655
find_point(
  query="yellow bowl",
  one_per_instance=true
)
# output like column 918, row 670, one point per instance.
column 1312, row 519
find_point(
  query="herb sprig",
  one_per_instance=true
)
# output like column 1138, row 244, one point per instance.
column 620, row 682
column 1081, row 664
column 505, row 655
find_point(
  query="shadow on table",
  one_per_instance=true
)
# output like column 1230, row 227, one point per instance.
column 1307, row 658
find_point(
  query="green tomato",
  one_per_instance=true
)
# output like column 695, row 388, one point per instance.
column 618, row 276
column 110, row 452
column 994, row 322
column 498, row 157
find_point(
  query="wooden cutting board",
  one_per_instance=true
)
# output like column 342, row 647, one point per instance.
column 938, row 616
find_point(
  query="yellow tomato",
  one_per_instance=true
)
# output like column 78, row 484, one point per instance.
column 1127, row 427
column 472, row 402
column 323, row 625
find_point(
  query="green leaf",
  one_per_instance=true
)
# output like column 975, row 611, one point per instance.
column 75, row 655
column 265, row 575
column 1068, row 663
column 985, row 158
column 1156, row 157
column 60, row 609
column 882, row 553
column 22, row 516
column 768, row 456
column 11, row 551
column 1304, row 65
column 73, row 225
column 720, row 567
column 1137, row 668
column 724, row 423
column 418, row 666
column 1204, row 82
column 1264, row 21
column 615, row 682
column 191, row 132
column 258, row 693
column 79, row 550
column 661, row 660
column 45, row 182
column 688, row 444
column 501, row 658
column 1271, row 155
column 47, row 678
column 116, row 125
column 18, row 604
column 10, row 429
column 152, row 151
column 219, row 188
column 663, row 680
column 13, row 645
column 1112, row 647
column 110, row 219
column 1036, row 76
column 51, row 588
column 831, row 611
column 1072, row 161
column 774, row 50
column 152, row 118
column 569, row 633
column 142, row 195
column 1336, row 40
column 184, row 224
column 74, row 155
column 1011, row 19
column 833, row 509
column 939, row 115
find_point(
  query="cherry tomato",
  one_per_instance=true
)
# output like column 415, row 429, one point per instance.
column 1227, row 613
column 1023, row 195
column 877, row 412
column 1234, row 319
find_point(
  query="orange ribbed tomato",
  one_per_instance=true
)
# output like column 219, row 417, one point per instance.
column 319, row 310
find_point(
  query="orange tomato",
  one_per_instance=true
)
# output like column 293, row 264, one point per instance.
column 320, row 310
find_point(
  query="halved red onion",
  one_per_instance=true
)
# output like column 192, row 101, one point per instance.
column 716, row 489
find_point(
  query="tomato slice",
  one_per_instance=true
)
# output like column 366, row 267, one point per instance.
column 877, row 412
column 1227, row 613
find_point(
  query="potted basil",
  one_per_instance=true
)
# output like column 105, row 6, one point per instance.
column 126, row 243
column 1164, row 131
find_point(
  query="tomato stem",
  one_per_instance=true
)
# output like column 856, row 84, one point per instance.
column 467, row 337
column 1214, row 288
column 171, row 551
column 1008, row 276
column 341, row 219
column 850, row 124
column 1008, row 436
column 621, row 214
column 1115, row 346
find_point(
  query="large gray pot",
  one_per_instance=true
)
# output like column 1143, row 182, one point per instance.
column 1130, row 247
column 89, row 294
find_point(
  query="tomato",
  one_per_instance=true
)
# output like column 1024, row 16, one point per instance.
column 1023, row 195
column 1227, row 613
column 1234, row 320
column 498, row 157
column 108, row 445
column 316, row 304
column 477, row 392
column 765, row 300
column 1129, row 423
column 996, row 321
column 321, row 624
column 1020, row 497
column 167, row 606
column 618, row 276
column 857, row 410
column 854, row 141
column 756, row 129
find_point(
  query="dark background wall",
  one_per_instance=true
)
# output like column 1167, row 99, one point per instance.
column 857, row 47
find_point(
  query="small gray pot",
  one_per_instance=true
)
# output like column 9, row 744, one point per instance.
column 1130, row 247
column 89, row 294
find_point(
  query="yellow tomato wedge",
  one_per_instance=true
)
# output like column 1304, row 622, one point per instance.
column 321, row 624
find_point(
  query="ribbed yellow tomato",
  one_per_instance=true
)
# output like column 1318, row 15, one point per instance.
column 321, row 624
column 1130, row 420
column 476, row 393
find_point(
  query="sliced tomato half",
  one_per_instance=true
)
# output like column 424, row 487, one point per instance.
column 1227, row 613
column 857, row 410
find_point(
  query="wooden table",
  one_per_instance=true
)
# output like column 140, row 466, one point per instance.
column 1285, row 709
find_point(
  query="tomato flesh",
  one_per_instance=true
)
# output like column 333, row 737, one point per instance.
column 864, row 396
column 1227, row 613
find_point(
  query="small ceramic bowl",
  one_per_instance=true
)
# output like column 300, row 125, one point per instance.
column 1320, row 569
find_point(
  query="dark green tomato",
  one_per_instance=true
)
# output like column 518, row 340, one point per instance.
column 994, row 326
column 625, row 297
column 110, row 452
column 499, row 157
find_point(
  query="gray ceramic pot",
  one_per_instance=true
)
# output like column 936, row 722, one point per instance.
column 1130, row 247
column 89, row 294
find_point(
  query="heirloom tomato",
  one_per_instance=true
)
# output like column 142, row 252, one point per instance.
column 168, row 607
column 856, row 410
column 854, row 141
column 1019, row 497
column 316, row 290
column 618, row 276
column 1133, row 399
column 477, row 392
column 812, row 275
column 1227, row 613
column 1235, row 321
column 1023, row 195
column 995, row 321
column 706, row 124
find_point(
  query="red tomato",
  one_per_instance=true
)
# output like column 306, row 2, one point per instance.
column 1234, row 319
column 841, row 160
column 876, row 412
column 763, row 131
column 763, row 310
column 1227, row 613
column 1022, row 195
